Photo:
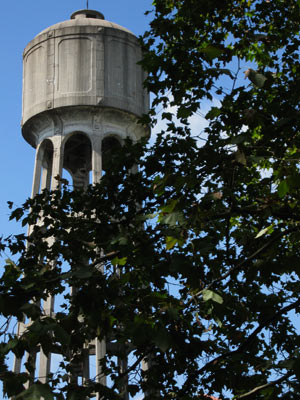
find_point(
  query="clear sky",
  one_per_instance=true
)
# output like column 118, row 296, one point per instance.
column 21, row 20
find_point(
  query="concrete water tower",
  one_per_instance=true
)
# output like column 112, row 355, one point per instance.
column 82, row 93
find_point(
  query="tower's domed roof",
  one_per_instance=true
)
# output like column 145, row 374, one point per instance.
column 86, row 18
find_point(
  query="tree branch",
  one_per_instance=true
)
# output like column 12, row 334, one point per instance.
column 245, row 261
column 241, row 348
column 258, row 388
column 106, row 257
column 267, row 322
column 133, row 366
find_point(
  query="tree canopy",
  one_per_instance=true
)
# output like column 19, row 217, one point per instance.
column 192, row 262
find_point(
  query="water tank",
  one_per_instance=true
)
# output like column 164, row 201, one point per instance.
column 77, row 69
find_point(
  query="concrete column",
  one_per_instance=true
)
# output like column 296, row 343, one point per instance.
column 80, row 179
column 35, row 190
column 86, row 364
column 31, row 359
column 96, row 160
column 57, row 163
column 45, row 361
column 145, row 366
column 46, row 177
column 50, row 171
column 45, row 367
column 36, row 175
column 18, row 361
column 100, row 353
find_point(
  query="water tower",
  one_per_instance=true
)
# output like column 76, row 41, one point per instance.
column 82, row 94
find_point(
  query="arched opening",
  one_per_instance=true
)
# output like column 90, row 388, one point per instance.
column 78, row 159
column 110, row 147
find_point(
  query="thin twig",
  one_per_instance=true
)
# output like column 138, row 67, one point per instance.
column 133, row 366
column 266, row 322
column 258, row 388
column 236, row 74
column 240, row 349
column 245, row 261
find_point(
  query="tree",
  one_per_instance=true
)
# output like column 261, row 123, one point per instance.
column 200, row 247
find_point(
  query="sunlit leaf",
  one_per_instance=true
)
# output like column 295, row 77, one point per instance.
column 255, row 77
column 264, row 231
column 210, row 295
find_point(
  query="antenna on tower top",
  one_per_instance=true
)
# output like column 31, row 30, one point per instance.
column 87, row 4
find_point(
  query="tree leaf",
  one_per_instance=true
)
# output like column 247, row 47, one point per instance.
column 283, row 188
column 211, row 52
column 210, row 295
column 170, row 242
column 36, row 392
column 119, row 261
column 240, row 157
column 213, row 113
column 161, row 339
column 264, row 231
column 256, row 78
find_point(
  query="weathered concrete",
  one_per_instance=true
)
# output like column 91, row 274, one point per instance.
column 85, row 61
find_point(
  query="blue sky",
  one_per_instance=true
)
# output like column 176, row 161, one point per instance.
column 21, row 20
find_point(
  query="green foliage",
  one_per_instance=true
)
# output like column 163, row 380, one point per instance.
column 210, row 295
column 35, row 392
column 191, row 263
